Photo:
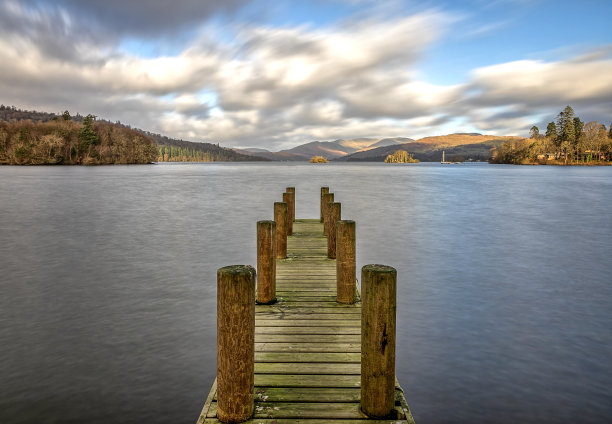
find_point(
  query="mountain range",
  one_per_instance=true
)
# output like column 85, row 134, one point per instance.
column 459, row 146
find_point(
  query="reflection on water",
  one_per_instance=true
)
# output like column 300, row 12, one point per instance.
column 107, row 293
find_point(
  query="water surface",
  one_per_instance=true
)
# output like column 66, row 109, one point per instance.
column 107, row 284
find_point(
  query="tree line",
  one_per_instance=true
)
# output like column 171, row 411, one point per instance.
column 567, row 140
column 42, row 138
column 65, row 141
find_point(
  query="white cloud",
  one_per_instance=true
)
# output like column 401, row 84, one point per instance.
column 277, row 87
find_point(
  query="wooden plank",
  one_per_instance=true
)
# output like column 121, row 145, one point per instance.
column 306, row 394
column 306, row 316
column 275, row 309
column 304, row 410
column 316, row 330
column 307, row 338
column 348, row 358
column 308, row 347
column 306, row 368
column 297, row 380
column 279, row 322
column 308, row 421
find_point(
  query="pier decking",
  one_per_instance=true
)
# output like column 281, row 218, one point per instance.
column 308, row 346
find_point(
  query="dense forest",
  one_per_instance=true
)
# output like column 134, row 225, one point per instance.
column 567, row 141
column 64, row 141
column 41, row 138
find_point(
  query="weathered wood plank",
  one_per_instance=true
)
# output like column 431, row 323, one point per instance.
column 297, row 380
column 307, row 368
column 308, row 347
column 307, row 338
column 307, row 421
column 280, row 322
column 259, row 329
column 344, row 357
column 304, row 410
column 275, row 309
column 305, row 316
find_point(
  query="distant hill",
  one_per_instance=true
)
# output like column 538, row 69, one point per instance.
column 328, row 149
column 429, row 149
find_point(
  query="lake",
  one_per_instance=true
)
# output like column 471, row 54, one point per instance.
column 108, row 284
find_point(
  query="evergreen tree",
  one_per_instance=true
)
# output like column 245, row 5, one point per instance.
column 565, row 125
column 88, row 134
column 578, row 127
column 551, row 131
column 66, row 116
column 534, row 132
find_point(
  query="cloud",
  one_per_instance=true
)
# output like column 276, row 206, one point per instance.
column 273, row 86
column 150, row 18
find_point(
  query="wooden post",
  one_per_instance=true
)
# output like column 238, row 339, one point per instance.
column 292, row 205
column 378, row 285
column 266, row 262
column 280, row 216
column 287, row 198
column 235, row 343
column 324, row 190
column 327, row 198
column 334, row 209
column 346, row 272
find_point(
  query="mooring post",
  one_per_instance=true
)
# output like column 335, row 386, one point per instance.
column 327, row 199
column 287, row 199
column 378, row 290
column 235, row 343
column 292, row 205
column 266, row 262
column 346, row 272
column 324, row 190
column 280, row 216
column 334, row 210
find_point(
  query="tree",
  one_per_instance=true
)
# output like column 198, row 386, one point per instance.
column 610, row 132
column 66, row 116
column 551, row 131
column 565, row 125
column 400, row 156
column 578, row 126
column 534, row 132
column 88, row 134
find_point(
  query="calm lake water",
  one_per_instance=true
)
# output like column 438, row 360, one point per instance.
column 107, row 284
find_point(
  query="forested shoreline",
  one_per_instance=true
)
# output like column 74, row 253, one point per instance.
column 567, row 141
column 67, row 142
column 41, row 138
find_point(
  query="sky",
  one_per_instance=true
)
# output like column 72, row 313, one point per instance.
column 276, row 74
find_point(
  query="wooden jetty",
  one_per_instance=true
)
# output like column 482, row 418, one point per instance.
column 307, row 345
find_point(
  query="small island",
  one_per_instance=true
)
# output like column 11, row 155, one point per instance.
column 401, row 156
column 318, row 159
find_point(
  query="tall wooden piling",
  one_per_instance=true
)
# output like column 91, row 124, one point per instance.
column 287, row 198
column 266, row 262
column 378, row 286
column 324, row 190
column 281, row 217
column 334, row 211
column 346, row 272
column 292, row 205
column 235, row 343
column 327, row 199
